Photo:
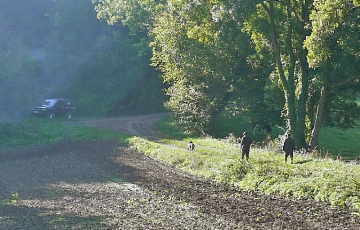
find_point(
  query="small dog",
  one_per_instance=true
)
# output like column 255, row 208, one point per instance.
column 191, row 146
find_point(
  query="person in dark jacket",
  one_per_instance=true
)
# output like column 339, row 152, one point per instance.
column 245, row 145
column 289, row 147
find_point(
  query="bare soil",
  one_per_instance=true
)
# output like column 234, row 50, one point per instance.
column 103, row 184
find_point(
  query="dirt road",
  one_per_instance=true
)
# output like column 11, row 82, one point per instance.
column 103, row 185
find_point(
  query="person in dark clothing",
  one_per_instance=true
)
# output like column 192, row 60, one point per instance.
column 268, row 129
column 289, row 147
column 245, row 145
column 191, row 146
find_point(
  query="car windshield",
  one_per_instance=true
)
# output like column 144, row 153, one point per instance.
column 49, row 102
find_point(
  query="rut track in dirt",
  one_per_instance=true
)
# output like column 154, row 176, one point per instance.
column 103, row 185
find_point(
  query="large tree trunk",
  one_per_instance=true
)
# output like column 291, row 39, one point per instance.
column 294, row 109
column 288, row 82
column 318, row 118
column 305, row 76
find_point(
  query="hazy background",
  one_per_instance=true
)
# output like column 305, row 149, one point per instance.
column 60, row 49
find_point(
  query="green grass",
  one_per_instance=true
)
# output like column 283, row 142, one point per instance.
column 310, row 177
column 319, row 179
column 170, row 128
column 340, row 142
column 37, row 130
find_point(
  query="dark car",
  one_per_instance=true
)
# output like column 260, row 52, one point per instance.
column 57, row 107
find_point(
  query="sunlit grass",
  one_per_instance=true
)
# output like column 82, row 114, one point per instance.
column 313, row 178
column 310, row 177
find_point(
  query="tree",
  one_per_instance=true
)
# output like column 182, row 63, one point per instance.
column 294, row 28
column 204, row 56
column 334, row 51
column 282, row 25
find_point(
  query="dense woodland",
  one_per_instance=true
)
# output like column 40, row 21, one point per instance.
column 58, row 48
column 291, row 62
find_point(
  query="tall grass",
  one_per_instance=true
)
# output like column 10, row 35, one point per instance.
column 310, row 177
column 319, row 179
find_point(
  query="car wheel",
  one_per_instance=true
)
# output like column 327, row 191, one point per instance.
column 50, row 115
column 68, row 115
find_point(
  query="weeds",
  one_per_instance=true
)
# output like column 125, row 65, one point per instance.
column 13, row 200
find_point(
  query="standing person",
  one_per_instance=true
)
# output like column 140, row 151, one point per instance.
column 289, row 147
column 268, row 129
column 245, row 145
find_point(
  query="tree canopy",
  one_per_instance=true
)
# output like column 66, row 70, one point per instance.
column 216, row 55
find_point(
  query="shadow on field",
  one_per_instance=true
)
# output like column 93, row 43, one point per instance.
column 302, row 162
column 23, row 217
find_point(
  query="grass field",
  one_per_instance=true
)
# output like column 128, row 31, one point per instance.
column 343, row 142
column 37, row 130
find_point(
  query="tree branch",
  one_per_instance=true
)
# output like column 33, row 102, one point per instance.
column 348, row 80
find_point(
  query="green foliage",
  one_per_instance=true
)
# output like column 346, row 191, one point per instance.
column 226, row 123
column 147, row 88
column 14, row 197
column 117, row 80
column 13, row 200
column 171, row 129
column 344, row 114
column 137, row 14
column 105, row 69
column 327, row 17
column 205, row 160
column 207, row 62
column 190, row 106
column 333, row 49
column 234, row 172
